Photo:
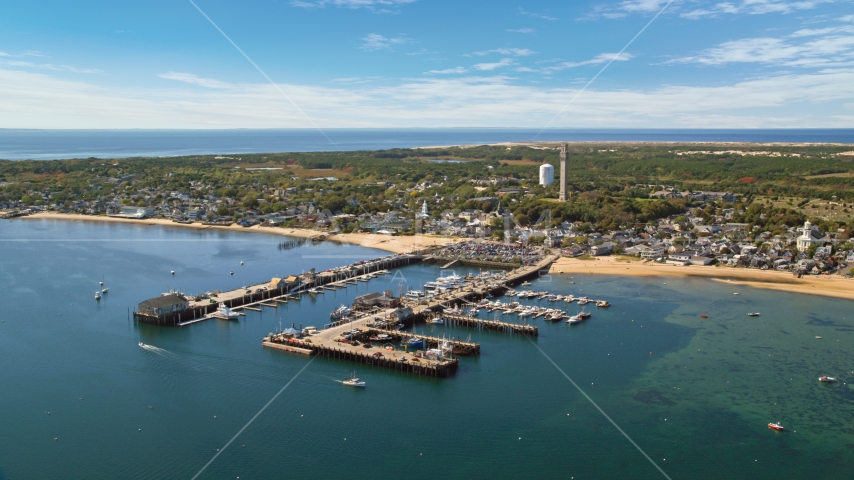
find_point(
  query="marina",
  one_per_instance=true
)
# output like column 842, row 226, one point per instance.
column 217, row 368
column 372, row 316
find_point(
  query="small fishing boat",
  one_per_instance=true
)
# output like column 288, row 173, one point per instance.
column 776, row 426
column 104, row 291
column 603, row 303
column 704, row 316
column 97, row 295
column 583, row 315
column 573, row 320
column 753, row 314
column 438, row 321
column 231, row 272
column 172, row 272
column 736, row 293
column 818, row 337
column 142, row 345
column 241, row 262
column 382, row 337
column 352, row 381
column 826, row 379
column 415, row 342
column 526, row 284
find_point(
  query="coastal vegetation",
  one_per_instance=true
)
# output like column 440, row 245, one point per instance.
column 610, row 184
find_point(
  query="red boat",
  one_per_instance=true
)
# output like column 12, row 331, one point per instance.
column 776, row 426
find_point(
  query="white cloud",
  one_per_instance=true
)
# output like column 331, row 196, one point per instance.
column 504, row 62
column 447, row 71
column 4, row 54
column 518, row 52
column 45, row 66
column 825, row 47
column 375, row 41
column 642, row 6
column 753, row 7
column 597, row 60
column 378, row 6
column 535, row 15
column 37, row 100
column 194, row 80
column 521, row 30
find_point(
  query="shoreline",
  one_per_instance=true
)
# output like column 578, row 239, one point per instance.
column 393, row 244
column 822, row 285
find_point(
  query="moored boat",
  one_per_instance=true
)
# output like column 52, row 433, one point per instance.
column 340, row 312
column 753, row 314
column 415, row 342
column 603, row 303
column 826, row 379
column 223, row 311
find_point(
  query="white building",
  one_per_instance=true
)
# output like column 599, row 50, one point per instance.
column 809, row 237
column 423, row 213
column 547, row 174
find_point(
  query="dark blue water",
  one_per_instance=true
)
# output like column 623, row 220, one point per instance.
column 58, row 144
column 696, row 394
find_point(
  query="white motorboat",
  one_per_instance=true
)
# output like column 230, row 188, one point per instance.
column 226, row 312
column 575, row 319
column 352, row 381
column 105, row 290
column 340, row 312
column 438, row 321
column 97, row 295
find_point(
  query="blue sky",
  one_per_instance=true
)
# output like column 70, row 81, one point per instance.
column 427, row 63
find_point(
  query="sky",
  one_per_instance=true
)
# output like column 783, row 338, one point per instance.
column 427, row 63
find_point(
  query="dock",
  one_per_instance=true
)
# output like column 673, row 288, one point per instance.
column 493, row 325
column 330, row 342
column 261, row 294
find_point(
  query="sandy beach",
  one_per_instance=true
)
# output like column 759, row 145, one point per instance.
column 825, row 285
column 397, row 244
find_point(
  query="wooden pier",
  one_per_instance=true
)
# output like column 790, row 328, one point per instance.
column 493, row 325
column 261, row 295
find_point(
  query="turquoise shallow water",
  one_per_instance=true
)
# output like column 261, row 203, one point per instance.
column 506, row 414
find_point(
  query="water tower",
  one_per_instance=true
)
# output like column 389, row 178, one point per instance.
column 547, row 174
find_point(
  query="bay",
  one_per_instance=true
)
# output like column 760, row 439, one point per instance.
column 19, row 144
column 695, row 394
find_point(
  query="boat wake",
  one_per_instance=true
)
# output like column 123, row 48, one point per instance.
column 159, row 351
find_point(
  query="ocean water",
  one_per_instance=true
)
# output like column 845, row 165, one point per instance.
column 695, row 394
column 58, row 144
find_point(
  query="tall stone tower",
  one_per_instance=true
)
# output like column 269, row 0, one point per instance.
column 563, row 171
